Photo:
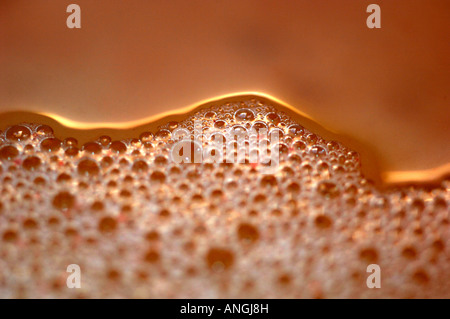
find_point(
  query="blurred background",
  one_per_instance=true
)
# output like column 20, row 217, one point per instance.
column 132, row 59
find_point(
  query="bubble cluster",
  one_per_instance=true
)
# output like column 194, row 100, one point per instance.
column 140, row 225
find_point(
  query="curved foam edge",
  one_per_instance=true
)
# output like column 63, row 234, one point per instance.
column 85, row 131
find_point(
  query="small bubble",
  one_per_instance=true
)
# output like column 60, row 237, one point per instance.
column 44, row 130
column 317, row 151
column 146, row 137
column 152, row 256
column 158, row 176
column 295, row 130
column 140, row 166
column 30, row 223
column 88, row 167
column 298, row 146
column 421, row 277
column 269, row 180
column 152, row 235
column 70, row 142
column 210, row 115
column 322, row 221
column 369, row 255
column 10, row 235
column 63, row 200
column 107, row 224
column 273, row 118
column 244, row 115
column 50, row 145
column 71, row 151
column 220, row 124
column 248, row 233
column 118, row 147
column 161, row 160
column 328, row 189
column 92, row 148
column 31, row 163
column 259, row 127
column 219, row 258
column 311, row 138
column 104, row 140
column 172, row 125
column 163, row 134
column 333, row 146
column 8, row 152
column 409, row 252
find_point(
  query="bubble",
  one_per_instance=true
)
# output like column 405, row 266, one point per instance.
column 18, row 133
column 248, row 233
column 163, row 134
column 244, row 115
column 210, row 115
column 219, row 124
column 421, row 277
column 97, row 206
column 63, row 177
column 31, row 163
column 146, row 137
column 238, row 131
column 152, row 235
column 140, row 166
column 172, row 125
column 369, row 255
column 71, row 151
column 333, row 146
column 104, row 141
column 92, row 148
column 299, row 146
column 10, row 235
column 118, row 147
column 322, row 221
column 311, row 139
column 293, row 187
column 161, row 160
column 273, row 118
column 63, row 200
column 70, row 142
column 152, row 256
column 276, row 134
column 158, row 176
column 107, row 224
column 409, row 252
column 219, row 258
column 317, row 151
column 88, row 167
column 44, row 130
column 30, row 223
column 284, row 279
column 8, row 152
column 328, row 189
column 295, row 130
column 50, row 145
column 259, row 127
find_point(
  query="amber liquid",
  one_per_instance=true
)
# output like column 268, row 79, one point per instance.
column 87, row 117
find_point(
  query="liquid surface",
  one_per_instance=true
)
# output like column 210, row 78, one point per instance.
column 387, row 88
column 142, row 226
